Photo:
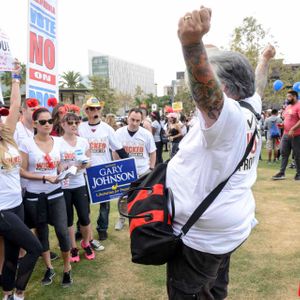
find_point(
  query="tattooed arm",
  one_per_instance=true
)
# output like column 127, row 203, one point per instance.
column 205, row 88
column 261, row 72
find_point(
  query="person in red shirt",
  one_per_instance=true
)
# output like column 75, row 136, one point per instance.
column 291, row 135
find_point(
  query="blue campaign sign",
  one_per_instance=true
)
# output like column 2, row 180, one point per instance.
column 109, row 181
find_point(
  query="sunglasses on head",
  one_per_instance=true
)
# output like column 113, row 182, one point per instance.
column 43, row 122
column 94, row 108
column 70, row 123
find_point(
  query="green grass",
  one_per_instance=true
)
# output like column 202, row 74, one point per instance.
column 265, row 267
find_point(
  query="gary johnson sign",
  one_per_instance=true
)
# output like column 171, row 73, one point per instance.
column 109, row 181
column 42, row 69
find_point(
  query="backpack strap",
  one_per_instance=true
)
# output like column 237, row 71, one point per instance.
column 215, row 192
column 249, row 106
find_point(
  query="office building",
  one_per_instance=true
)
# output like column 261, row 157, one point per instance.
column 123, row 76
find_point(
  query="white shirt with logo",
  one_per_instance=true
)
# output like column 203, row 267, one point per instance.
column 208, row 156
column 22, row 133
column 101, row 139
column 10, row 188
column 42, row 164
column 72, row 156
column 138, row 146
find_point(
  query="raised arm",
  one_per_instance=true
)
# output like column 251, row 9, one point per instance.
column 261, row 71
column 205, row 87
column 15, row 99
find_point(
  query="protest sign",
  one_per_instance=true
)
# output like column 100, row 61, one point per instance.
column 177, row 106
column 6, row 59
column 42, row 68
column 109, row 181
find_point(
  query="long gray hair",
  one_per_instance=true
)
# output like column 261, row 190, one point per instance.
column 235, row 73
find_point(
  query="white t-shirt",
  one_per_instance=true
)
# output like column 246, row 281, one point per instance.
column 22, row 133
column 155, row 124
column 207, row 156
column 39, row 163
column 139, row 146
column 70, row 156
column 101, row 138
column 10, row 188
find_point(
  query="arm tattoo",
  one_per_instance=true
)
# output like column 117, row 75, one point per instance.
column 205, row 88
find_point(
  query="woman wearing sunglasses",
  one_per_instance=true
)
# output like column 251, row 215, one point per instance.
column 75, row 151
column 44, row 201
column 15, row 233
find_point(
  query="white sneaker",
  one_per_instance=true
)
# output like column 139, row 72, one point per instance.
column 120, row 224
column 96, row 245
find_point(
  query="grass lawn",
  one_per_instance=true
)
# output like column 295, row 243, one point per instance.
column 267, row 266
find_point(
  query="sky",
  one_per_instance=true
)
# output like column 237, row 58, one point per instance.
column 145, row 31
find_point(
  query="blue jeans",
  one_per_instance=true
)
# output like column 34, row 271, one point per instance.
column 103, row 217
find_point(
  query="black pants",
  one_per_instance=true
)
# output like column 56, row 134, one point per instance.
column 17, row 235
column 77, row 198
column 159, row 148
column 287, row 145
column 192, row 274
column 103, row 217
column 57, row 217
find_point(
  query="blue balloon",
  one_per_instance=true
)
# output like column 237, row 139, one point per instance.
column 296, row 86
column 277, row 85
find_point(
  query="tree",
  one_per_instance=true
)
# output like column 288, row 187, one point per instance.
column 123, row 102
column 102, row 91
column 249, row 39
column 71, row 79
column 184, row 95
column 139, row 96
column 279, row 70
column 6, row 79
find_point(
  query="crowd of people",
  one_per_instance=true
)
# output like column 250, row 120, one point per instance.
column 281, row 129
column 39, row 143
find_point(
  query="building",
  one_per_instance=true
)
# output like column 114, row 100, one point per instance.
column 123, row 76
column 176, row 85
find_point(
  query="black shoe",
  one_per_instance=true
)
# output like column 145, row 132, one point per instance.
column 67, row 279
column 53, row 256
column 49, row 274
column 279, row 176
column 297, row 177
column 78, row 235
column 102, row 235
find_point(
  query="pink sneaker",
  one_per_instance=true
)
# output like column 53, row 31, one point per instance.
column 74, row 257
column 88, row 251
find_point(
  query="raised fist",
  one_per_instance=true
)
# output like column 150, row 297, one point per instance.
column 193, row 26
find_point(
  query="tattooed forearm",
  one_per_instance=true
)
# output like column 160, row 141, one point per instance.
column 261, row 76
column 205, row 87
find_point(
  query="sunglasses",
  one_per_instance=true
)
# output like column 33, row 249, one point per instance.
column 71, row 123
column 94, row 108
column 43, row 122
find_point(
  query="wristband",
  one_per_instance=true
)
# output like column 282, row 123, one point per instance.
column 44, row 179
column 16, row 76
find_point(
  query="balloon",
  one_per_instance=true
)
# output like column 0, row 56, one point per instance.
column 296, row 86
column 277, row 85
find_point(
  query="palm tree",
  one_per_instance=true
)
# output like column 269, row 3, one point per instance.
column 71, row 79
